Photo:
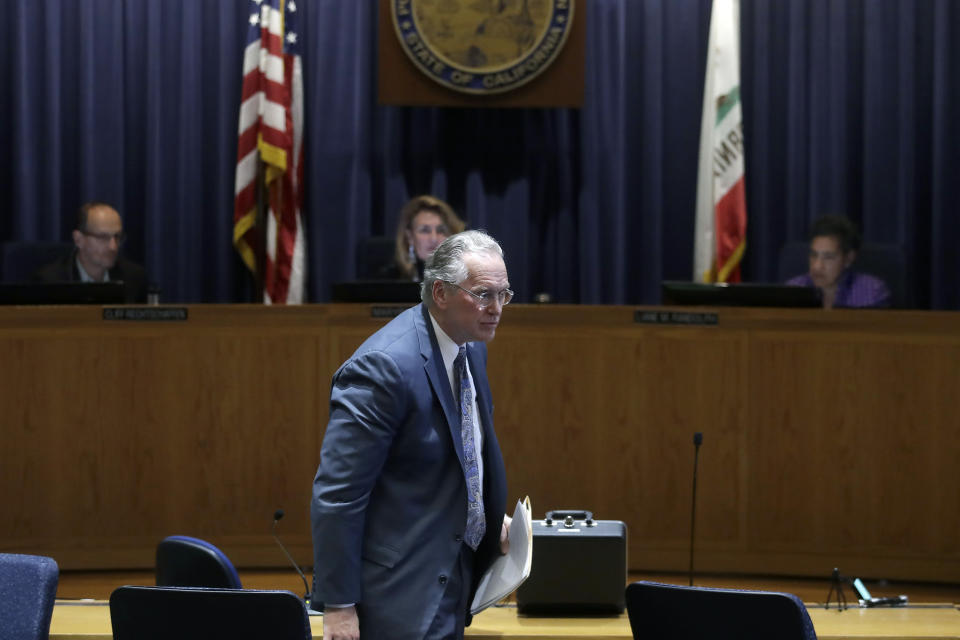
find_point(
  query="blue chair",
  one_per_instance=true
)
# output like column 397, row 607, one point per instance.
column 28, row 588
column 185, row 613
column 18, row 260
column 659, row 611
column 183, row 561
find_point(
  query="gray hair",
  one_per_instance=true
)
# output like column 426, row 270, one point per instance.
column 447, row 262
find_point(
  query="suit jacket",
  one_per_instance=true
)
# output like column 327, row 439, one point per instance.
column 389, row 498
column 65, row 270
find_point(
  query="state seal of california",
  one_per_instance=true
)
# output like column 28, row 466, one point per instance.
column 482, row 46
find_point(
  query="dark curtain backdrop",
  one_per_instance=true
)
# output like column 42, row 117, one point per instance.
column 848, row 107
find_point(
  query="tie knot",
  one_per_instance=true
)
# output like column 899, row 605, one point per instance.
column 461, row 360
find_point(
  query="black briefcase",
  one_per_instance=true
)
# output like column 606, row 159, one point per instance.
column 579, row 566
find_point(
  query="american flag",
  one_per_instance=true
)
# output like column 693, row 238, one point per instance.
column 270, row 136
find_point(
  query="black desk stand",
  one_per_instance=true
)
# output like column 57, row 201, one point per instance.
column 836, row 583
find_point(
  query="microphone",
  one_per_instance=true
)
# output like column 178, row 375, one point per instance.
column 697, row 441
column 277, row 515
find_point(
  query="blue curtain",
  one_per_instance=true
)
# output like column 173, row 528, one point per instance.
column 851, row 107
column 847, row 107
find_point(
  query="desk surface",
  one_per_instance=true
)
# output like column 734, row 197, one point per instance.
column 91, row 621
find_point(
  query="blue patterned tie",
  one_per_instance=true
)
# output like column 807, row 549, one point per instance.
column 476, row 523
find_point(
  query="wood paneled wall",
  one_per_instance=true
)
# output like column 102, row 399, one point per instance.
column 830, row 438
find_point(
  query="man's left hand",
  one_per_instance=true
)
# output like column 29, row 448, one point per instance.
column 505, row 535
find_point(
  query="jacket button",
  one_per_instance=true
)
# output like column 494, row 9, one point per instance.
column 443, row 579
column 458, row 538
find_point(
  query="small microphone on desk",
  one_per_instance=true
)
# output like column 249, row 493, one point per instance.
column 697, row 441
column 277, row 515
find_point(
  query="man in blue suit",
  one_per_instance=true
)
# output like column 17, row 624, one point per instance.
column 400, row 542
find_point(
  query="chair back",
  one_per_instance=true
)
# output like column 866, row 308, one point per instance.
column 18, row 260
column 186, row 613
column 28, row 588
column 889, row 263
column 885, row 261
column 659, row 611
column 183, row 561
column 373, row 255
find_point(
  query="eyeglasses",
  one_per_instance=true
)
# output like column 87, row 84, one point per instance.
column 486, row 298
column 120, row 237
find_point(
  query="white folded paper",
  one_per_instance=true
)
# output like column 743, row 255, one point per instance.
column 508, row 571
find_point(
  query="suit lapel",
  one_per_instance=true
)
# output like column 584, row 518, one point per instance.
column 71, row 267
column 437, row 375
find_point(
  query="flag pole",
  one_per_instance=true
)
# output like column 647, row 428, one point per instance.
column 260, row 237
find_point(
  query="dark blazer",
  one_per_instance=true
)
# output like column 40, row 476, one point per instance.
column 389, row 498
column 134, row 277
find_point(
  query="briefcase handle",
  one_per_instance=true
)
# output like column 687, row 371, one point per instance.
column 576, row 514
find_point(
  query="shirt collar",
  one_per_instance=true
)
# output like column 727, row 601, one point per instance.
column 86, row 277
column 448, row 348
column 448, row 351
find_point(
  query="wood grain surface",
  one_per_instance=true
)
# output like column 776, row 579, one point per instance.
column 830, row 438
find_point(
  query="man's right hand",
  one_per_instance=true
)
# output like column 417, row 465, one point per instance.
column 341, row 623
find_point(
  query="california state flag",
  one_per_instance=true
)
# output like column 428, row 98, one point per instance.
column 721, row 225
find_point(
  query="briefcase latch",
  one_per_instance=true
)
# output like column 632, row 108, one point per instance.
column 569, row 517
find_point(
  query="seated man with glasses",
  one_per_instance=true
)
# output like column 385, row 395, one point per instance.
column 96, row 256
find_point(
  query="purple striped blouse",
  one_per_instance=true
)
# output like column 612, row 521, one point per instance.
column 854, row 290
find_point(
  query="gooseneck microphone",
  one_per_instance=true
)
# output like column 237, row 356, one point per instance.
column 277, row 515
column 697, row 441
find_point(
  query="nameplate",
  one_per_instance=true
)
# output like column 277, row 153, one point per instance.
column 687, row 318
column 386, row 312
column 146, row 314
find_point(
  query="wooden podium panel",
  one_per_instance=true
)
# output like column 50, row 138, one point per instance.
column 829, row 437
column 825, row 434
column 124, row 432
